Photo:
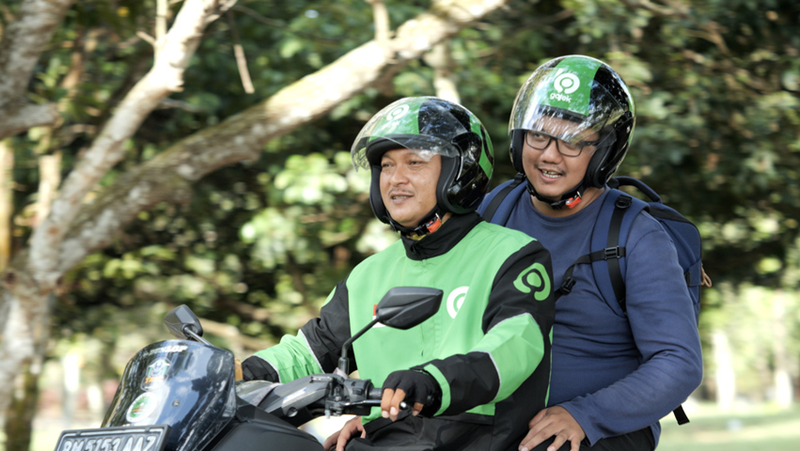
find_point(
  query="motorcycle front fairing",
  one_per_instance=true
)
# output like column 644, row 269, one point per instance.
column 184, row 384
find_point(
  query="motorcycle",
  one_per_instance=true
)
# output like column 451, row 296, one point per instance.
column 182, row 394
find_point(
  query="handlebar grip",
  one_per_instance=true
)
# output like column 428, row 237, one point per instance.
column 374, row 398
column 375, row 393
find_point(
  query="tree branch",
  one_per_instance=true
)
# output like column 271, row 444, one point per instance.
column 23, row 41
column 381, row 18
column 674, row 9
column 241, row 59
column 168, row 176
column 444, row 78
column 166, row 76
column 283, row 26
column 19, row 117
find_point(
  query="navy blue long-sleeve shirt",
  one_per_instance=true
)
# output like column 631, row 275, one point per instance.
column 617, row 374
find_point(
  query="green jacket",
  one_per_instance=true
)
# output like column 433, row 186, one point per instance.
column 488, row 347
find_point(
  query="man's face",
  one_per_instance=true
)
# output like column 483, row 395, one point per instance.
column 408, row 184
column 551, row 173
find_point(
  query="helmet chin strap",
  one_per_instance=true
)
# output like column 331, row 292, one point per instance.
column 570, row 199
column 429, row 224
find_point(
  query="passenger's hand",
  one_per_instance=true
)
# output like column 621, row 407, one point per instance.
column 411, row 386
column 340, row 438
column 553, row 421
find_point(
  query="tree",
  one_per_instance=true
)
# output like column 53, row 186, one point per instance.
column 74, row 228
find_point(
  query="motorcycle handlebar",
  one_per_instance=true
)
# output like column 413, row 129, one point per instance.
column 375, row 393
column 374, row 398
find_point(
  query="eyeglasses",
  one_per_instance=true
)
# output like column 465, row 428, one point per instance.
column 540, row 141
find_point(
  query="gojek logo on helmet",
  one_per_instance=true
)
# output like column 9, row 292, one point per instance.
column 565, row 83
column 393, row 120
column 397, row 113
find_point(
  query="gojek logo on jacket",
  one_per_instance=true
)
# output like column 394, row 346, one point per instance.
column 534, row 279
column 455, row 300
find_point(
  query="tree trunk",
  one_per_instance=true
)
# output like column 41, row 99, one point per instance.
column 25, row 334
column 783, row 380
column 724, row 374
column 28, row 282
column 18, row 427
column 6, row 204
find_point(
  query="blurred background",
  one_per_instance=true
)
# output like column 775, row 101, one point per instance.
column 252, row 209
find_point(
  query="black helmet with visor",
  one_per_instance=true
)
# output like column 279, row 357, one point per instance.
column 572, row 98
column 429, row 126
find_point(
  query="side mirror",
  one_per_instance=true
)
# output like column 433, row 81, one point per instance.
column 405, row 307
column 401, row 308
column 183, row 323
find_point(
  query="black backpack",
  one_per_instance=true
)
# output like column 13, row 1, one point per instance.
column 609, row 236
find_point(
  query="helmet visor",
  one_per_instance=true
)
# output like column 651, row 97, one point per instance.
column 412, row 123
column 566, row 101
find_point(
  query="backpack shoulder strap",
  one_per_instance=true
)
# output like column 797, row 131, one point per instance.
column 493, row 212
column 622, row 180
column 607, row 247
column 610, row 237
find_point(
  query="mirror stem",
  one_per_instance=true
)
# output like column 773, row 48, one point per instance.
column 194, row 336
column 344, row 366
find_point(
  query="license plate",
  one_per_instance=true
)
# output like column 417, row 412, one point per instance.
column 128, row 438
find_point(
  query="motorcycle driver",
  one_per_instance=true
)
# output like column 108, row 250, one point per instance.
column 615, row 372
column 478, row 369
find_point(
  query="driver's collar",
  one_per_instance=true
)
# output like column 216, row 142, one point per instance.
column 441, row 241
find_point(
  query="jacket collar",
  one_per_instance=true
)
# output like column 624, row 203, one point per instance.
column 444, row 239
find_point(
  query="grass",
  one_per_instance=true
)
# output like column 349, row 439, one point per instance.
column 751, row 428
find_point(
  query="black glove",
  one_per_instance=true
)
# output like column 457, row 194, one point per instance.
column 419, row 386
column 256, row 368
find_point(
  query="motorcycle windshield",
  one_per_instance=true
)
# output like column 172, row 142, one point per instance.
column 185, row 384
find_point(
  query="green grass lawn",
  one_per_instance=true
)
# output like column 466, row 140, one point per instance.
column 752, row 429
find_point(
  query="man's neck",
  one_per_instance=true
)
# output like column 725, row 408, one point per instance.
column 589, row 195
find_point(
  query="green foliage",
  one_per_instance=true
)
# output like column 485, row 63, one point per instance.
column 717, row 92
column 758, row 322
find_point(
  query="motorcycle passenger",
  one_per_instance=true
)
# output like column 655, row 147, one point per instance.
column 615, row 373
column 480, row 367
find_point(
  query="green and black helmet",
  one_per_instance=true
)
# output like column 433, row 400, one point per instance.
column 429, row 124
column 585, row 91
